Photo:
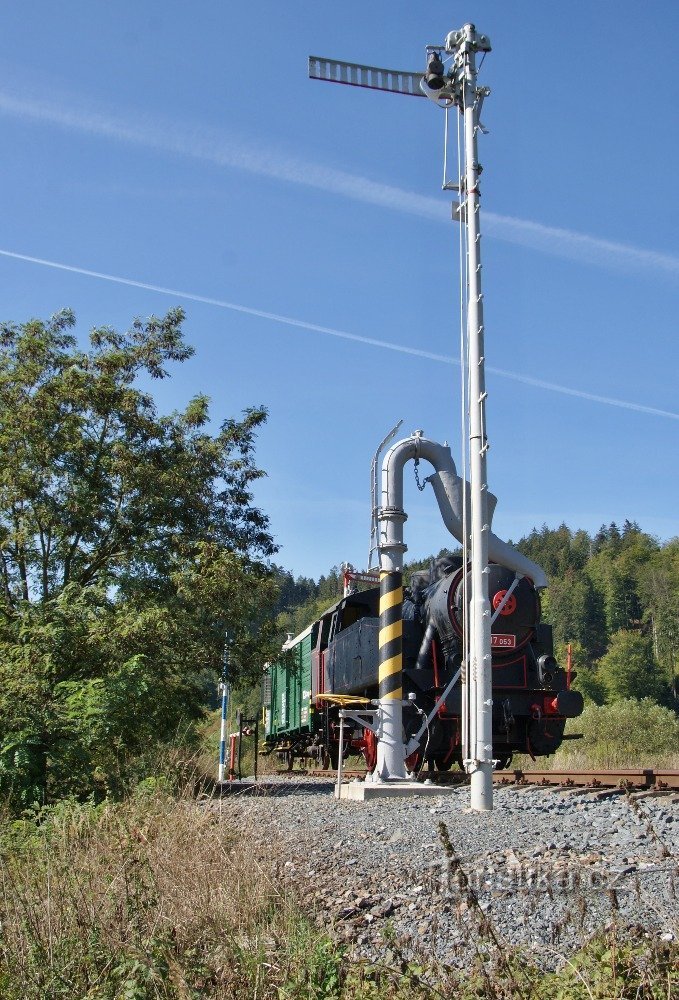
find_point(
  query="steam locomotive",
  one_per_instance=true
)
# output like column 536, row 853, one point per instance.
column 338, row 656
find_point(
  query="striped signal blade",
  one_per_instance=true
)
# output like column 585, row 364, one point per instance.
column 371, row 77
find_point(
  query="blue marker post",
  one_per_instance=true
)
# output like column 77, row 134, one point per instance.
column 224, row 691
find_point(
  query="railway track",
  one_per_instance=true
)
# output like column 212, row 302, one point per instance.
column 637, row 779
column 648, row 778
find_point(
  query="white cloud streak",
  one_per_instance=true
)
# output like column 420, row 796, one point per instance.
column 341, row 334
column 212, row 147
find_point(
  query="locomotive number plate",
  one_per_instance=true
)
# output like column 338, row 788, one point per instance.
column 503, row 641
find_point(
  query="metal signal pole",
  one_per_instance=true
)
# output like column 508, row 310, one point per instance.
column 480, row 763
column 224, row 691
column 455, row 87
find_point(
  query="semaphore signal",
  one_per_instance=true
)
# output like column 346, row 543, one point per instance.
column 452, row 87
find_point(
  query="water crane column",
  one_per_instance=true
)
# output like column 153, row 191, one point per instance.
column 390, row 757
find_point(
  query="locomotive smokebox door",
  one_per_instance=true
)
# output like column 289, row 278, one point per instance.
column 517, row 621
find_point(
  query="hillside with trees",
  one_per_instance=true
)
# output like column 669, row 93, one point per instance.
column 614, row 596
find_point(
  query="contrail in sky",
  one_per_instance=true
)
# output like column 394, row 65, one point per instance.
column 342, row 334
column 210, row 146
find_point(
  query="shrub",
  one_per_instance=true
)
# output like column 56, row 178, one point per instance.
column 627, row 733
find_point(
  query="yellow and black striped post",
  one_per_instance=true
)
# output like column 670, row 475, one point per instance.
column 390, row 757
column 391, row 517
column 390, row 657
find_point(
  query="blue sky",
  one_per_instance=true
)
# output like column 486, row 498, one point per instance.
column 183, row 147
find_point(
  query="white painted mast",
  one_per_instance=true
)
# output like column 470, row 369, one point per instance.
column 479, row 763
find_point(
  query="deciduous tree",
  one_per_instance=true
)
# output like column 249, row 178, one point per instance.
column 627, row 669
column 129, row 542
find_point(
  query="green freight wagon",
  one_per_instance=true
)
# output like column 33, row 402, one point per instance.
column 288, row 712
column 298, row 719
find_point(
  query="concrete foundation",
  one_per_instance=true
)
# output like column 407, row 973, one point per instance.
column 364, row 791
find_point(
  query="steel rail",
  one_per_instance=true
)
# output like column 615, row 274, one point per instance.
column 645, row 778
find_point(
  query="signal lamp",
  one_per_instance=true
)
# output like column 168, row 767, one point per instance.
column 433, row 77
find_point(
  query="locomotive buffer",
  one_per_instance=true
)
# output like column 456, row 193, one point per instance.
column 448, row 88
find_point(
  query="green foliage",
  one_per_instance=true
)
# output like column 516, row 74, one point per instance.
column 575, row 610
column 293, row 593
column 303, row 600
column 557, row 550
column 659, row 590
column 620, row 963
column 612, row 733
column 315, row 967
column 128, row 545
column 616, row 570
column 614, row 597
column 590, row 686
column 627, row 669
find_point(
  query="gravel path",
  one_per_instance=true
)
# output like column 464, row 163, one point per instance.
column 544, row 870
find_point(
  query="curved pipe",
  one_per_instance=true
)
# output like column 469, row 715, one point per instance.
column 448, row 489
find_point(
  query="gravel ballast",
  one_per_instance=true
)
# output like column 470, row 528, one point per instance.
column 545, row 870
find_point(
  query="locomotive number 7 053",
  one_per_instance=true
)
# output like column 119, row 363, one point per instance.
column 506, row 641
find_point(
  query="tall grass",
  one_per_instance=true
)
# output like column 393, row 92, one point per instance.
column 153, row 897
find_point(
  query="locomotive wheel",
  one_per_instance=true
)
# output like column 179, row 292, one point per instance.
column 444, row 765
column 289, row 759
column 325, row 760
